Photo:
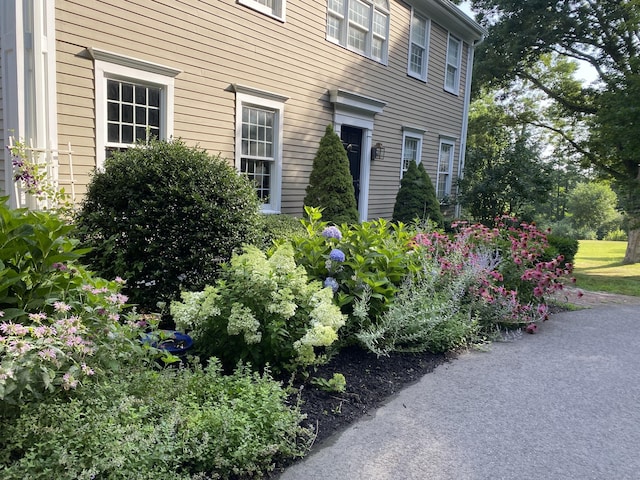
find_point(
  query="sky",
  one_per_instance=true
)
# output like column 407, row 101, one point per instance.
column 585, row 72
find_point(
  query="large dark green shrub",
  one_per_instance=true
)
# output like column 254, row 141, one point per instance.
column 164, row 216
column 565, row 246
column 416, row 198
column 330, row 183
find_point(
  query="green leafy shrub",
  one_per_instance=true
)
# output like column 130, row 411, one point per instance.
column 330, row 183
column 165, row 216
column 264, row 310
column 428, row 314
column 59, row 325
column 280, row 228
column 171, row 424
column 565, row 246
column 416, row 200
column 368, row 257
column 617, row 235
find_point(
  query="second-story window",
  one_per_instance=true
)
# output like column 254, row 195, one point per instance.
column 273, row 8
column 418, row 46
column 361, row 26
column 452, row 72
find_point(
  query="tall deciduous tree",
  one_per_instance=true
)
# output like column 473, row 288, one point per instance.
column 503, row 172
column 604, row 34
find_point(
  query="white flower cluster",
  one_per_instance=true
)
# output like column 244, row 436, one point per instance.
column 242, row 321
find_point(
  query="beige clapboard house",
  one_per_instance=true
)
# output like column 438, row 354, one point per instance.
column 255, row 80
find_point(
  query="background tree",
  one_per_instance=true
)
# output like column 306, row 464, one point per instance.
column 416, row 199
column 503, row 173
column 604, row 34
column 330, row 183
column 592, row 210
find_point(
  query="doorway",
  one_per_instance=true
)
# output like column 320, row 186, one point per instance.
column 352, row 140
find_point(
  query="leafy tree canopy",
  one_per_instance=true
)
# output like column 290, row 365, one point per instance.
column 523, row 35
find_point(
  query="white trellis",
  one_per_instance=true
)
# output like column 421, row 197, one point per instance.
column 49, row 159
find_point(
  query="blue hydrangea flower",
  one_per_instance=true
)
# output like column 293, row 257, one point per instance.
column 336, row 255
column 332, row 232
column 331, row 282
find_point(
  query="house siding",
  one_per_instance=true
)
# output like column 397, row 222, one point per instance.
column 218, row 43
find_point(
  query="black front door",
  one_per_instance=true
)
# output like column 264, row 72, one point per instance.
column 352, row 140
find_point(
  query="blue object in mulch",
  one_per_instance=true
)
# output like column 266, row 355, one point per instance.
column 172, row 341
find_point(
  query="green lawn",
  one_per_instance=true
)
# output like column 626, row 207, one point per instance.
column 599, row 268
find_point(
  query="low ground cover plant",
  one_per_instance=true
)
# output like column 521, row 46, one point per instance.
column 186, row 423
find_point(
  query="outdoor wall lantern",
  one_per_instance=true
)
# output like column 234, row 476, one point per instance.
column 377, row 152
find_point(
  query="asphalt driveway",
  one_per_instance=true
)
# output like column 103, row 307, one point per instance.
column 561, row 404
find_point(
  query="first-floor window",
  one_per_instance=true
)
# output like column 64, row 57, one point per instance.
column 273, row 8
column 134, row 102
column 445, row 169
column 411, row 149
column 133, row 113
column 259, row 145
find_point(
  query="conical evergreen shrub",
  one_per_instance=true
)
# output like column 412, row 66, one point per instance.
column 416, row 199
column 330, row 183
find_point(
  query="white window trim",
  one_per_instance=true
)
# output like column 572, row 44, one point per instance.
column 417, row 134
column 278, row 12
column 343, row 40
column 456, row 88
column 410, row 72
column 448, row 184
column 258, row 98
column 109, row 65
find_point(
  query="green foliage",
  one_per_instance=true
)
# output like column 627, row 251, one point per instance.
column 280, row 228
column 60, row 325
column 165, row 216
column 172, row 424
column 37, row 260
column 337, row 383
column 425, row 316
column 416, row 200
column 595, row 121
column 592, row 207
column 375, row 263
column 263, row 311
column 330, row 183
column 565, row 246
column 616, row 236
column 503, row 173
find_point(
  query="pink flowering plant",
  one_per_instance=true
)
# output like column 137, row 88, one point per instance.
column 514, row 268
column 59, row 325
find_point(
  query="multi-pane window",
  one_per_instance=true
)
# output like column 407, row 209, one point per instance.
column 418, row 48
column 257, row 156
column 411, row 150
column 452, row 72
column 133, row 113
column 445, row 169
column 273, row 8
column 259, row 140
column 360, row 25
column 133, row 101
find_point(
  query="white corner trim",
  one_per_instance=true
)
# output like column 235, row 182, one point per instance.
column 135, row 63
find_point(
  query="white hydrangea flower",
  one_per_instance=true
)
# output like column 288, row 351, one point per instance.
column 242, row 321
